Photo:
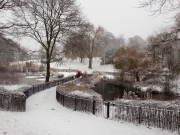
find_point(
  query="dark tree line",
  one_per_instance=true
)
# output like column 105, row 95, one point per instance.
column 10, row 51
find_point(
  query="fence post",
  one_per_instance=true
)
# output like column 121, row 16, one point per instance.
column 63, row 99
column 178, row 126
column 107, row 105
column 108, row 109
column 57, row 96
column 140, row 111
column 75, row 104
column 94, row 106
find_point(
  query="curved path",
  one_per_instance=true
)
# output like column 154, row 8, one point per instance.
column 45, row 116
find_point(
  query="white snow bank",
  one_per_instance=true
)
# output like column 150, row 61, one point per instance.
column 145, row 87
column 66, row 74
column 31, row 76
column 13, row 87
column 108, row 76
column 41, row 79
column 80, row 93
column 83, row 67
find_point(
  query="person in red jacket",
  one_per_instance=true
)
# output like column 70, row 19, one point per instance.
column 78, row 74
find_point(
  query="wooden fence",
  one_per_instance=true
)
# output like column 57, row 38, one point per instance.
column 148, row 116
column 75, row 81
column 139, row 115
column 40, row 87
column 14, row 101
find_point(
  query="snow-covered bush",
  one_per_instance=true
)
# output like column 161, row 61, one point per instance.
column 60, row 75
column 130, row 95
column 175, row 104
column 78, row 91
column 90, row 80
column 153, row 79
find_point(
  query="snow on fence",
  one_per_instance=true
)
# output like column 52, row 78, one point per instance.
column 148, row 116
column 79, row 104
column 11, row 101
column 75, row 81
column 139, row 115
column 16, row 101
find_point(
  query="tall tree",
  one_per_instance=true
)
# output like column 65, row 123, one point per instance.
column 48, row 22
column 74, row 46
column 94, row 43
column 89, row 41
column 120, row 41
column 136, row 41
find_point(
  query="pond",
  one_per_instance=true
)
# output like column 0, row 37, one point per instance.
column 110, row 90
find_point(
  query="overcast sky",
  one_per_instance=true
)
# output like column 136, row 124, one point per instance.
column 120, row 17
column 123, row 17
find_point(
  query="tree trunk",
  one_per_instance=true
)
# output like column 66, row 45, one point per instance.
column 121, row 77
column 90, row 63
column 81, row 60
column 137, row 76
column 47, row 71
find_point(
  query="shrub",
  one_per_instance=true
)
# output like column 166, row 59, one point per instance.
column 42, row 68
column 8, row 77
column 30, row 66
column 60, row 75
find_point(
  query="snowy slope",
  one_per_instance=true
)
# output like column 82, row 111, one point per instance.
column 75, row 64
column 45, row 116
column 13, row 87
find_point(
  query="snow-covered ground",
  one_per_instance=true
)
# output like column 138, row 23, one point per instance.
column 83, row 67
column 13, row 87
column 66, row 74
column 45, row 116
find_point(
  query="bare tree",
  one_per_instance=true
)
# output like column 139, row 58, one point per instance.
column 136, row 41
column 164, row 45
column 48, row 22
column 108, row 40
column 160, row 6
column 74, row 46
column 88, row 42
column 120, row 41
column 8, row 5
column 95, row 43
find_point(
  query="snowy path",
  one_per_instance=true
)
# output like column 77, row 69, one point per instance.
column 45, row 116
